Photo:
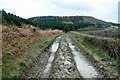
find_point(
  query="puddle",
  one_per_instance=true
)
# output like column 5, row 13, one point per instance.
column 86, row 70
column 66, row 62
column 55, row 46
column 53, row 49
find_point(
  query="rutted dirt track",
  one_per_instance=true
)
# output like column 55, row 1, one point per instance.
column 62, row 60
column 64, row 65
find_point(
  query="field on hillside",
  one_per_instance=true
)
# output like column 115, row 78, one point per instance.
column 21, row 45
column 110, row 32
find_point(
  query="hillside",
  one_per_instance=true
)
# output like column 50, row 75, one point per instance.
column 55, row 22
column 73, row 21
column 69, row 18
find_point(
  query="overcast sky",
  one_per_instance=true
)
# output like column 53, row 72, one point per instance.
column 102, row 9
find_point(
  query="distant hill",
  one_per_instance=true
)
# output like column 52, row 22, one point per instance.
column 9, row 18
column 73, row 21
column 69, row 18
column 55, row 22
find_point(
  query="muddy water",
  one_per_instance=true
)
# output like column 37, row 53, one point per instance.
column 86, row 70
column 53, row 50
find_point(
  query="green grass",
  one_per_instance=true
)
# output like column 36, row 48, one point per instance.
column 112, row 28
column 88, row 31
column 96, row 50
column 100, row 53
column 7, row 67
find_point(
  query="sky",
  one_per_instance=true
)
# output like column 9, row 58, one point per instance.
column 106, row 10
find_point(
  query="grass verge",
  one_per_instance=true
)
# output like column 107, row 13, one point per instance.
column 96, row 51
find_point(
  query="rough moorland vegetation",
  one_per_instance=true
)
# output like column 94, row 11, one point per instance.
column 21, row 45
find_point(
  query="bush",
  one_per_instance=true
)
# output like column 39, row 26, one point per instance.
column 66, row 28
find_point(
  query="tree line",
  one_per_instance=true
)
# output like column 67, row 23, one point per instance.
column 8, row 19
column 48, row 22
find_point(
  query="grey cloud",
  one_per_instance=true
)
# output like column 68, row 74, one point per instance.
column 73, row 6
column 102, row 9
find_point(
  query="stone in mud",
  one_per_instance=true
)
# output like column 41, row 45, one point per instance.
column 63, row 76
column 71, row 67
column 68, row 57
column 66, row 63
column 70, row 70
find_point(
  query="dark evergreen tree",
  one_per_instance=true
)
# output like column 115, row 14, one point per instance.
column 8, row 18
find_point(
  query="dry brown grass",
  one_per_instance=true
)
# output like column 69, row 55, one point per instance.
column 24, row 44
column 14, row 36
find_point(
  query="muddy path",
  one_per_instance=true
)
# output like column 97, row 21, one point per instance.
column 64, row 65
column 62, row 60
